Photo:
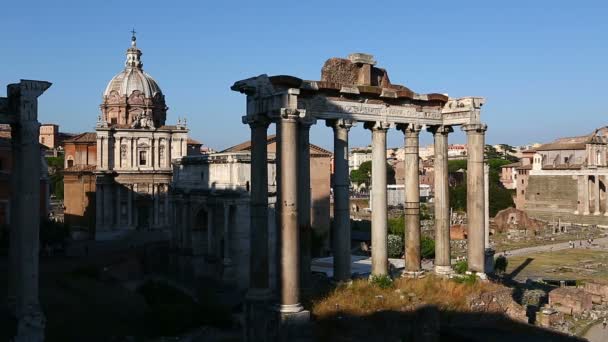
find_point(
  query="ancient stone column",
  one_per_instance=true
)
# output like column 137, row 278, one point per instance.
column 443, row 263
column 596, row 190
column 130, row 206
column 475, row 196
column 25, row 221
column 227, row 261
column 606, row 195
column 98, row 205
column 379, row 200
column 289, row 244
column 304, row 200
column 341, row 224
column 412, row 199
column 586, row 185
column 486, row 200
column 108, row 198
column 258, row 268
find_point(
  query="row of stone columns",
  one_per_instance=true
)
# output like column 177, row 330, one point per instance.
column 589, row 190
column 475, row 198
column 293, row 206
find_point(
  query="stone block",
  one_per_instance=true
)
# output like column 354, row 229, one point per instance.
column 570, row 300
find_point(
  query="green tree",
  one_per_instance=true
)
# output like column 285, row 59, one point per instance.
column 363, row 175
column 427, row 248
column 55, row 168
column 500, row 264
column 456, row 165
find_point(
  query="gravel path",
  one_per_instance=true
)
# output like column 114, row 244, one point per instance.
column 553, row 247
column 597, row 334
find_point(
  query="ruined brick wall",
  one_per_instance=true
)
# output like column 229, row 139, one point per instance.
column 572, row 299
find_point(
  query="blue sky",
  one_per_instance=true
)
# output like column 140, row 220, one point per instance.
column 541, row 65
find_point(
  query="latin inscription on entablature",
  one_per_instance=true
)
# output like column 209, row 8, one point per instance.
column 326, row 108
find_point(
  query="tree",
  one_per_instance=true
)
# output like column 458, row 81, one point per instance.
column 363, row 175
column 55, row 168
column 427, row 248
column 500, row 264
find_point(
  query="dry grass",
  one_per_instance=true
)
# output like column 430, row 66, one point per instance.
column 362, row 298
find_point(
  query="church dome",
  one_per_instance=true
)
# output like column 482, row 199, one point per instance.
column 133, row 94
column 133, row 78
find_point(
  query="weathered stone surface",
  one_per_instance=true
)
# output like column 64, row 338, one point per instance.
column 597, row 289
column 574, row 300
column 512, row 218
column 498, row 302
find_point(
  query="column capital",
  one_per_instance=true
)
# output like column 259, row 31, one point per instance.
column 440, row 129
column 289, row 114
column 306, row 121
column 474, row 128
column 255, row 121
column 341, row 123
column 377, row 125
column 410, row 128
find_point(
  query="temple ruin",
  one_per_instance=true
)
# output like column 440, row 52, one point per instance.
column 350, row 91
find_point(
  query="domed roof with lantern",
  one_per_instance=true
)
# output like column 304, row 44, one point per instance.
column 132, row 93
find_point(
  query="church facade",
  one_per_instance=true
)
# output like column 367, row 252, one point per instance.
column 128, row 158
column 134, row 152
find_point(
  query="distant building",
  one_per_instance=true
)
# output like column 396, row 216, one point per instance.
column 457, row 151
column 212, row 191
column 358, row 156
column 567, row 180
column 49, row 135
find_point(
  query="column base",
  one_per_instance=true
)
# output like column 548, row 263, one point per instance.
column 585, row 213
column 480, row 275
column 293, row 323
column 413, row 274
column 489, row 260
column 259, row 321
column 228, row 275
column 31, row 327
column 444, row 271
column 597, row 213
column 338, row 283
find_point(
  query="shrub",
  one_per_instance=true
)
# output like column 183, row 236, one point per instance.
column 382, row 281
column 427, row 248
column 396, row 226
column 461, row 267
column 395, row 246
column 468, row 279
column 500, row 264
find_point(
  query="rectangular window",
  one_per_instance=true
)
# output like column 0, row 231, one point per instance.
column 142, row 157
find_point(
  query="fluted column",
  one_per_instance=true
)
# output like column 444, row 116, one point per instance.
column 412, row 199
column 304, row 200
column 379, row 200
column 443, row 263
column 475, row 196
column 341, row 225
column 258, row 272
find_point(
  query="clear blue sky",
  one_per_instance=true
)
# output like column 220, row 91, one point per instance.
column 541, row 65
